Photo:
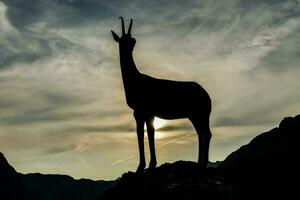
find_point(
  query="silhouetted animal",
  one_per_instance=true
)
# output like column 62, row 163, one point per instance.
column 150, row 97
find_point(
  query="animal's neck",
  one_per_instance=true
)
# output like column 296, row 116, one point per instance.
column 128, row 68
column 130, row 75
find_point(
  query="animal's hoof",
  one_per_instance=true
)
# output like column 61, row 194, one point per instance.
column 152, row 165
column 140, row 169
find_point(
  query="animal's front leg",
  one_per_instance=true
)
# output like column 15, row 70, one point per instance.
column 151, row 130
column 140, row 135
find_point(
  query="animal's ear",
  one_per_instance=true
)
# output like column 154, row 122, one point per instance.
column 115, row 36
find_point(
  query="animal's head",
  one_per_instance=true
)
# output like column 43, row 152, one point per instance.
column 126, row 42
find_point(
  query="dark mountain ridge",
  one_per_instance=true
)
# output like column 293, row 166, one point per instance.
column 16, row 186
column 11, row 183
column 62, row 187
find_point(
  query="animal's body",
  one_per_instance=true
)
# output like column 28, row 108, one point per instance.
column 167, row 99
column 151, row 97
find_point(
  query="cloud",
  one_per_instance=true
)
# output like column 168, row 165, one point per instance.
column 18, row 47
column 56, row 150
column 286, row 56
column 57, row 13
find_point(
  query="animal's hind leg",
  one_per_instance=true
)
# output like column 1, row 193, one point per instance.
column 197, row 126
column 204, row 135
column 207, row 137
column 151, row 131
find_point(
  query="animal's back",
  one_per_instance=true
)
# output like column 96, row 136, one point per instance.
column 172, row 98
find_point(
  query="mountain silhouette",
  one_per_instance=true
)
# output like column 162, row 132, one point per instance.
column 11, row 184
column 63, row 187
column 266, row 168
column 16, row 186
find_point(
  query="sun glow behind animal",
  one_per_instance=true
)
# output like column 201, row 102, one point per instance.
column 159, row 123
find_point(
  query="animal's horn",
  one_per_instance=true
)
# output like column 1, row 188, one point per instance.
column 130, row 25
column 123, row 27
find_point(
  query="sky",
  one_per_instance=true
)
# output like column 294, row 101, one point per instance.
column 62, row 105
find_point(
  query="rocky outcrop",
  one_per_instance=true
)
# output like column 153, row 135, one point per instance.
column 274, row 149
column 268, row 166
column 179, row 180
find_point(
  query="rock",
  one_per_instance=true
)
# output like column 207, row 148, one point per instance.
column 273, row 149
column 266, row 167
column 180, row 180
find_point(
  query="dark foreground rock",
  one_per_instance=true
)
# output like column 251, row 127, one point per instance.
column 278, row 148
column 268, row 167
column 180, row 180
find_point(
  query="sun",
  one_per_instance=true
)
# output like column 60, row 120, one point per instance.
column 159, row 123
